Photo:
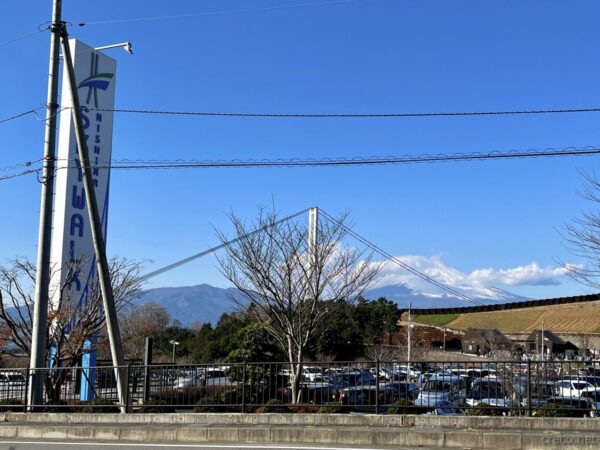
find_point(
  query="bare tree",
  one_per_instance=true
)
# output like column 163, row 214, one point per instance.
column 69, row 324
column 583, row 237
column 381, row 352
column 137, row 323
column 285, row 279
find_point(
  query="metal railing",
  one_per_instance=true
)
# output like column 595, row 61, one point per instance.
column 520, row 388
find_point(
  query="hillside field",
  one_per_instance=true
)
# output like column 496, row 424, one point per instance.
column 571, row 318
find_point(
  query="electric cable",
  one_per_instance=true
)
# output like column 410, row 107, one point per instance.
column 214, row 13
column 346, row 161
column 21, row 114
column 349, row 115
column 326, row 115
column 126, row 164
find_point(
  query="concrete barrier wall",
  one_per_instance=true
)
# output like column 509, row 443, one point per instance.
column 500, row 433
column 335, row 420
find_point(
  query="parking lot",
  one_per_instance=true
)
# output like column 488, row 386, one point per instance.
column 515, row 388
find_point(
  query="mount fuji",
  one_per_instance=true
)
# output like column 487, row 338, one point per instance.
column 205, row 303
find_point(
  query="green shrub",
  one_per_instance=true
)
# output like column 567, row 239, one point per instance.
column 331, row 409
column 11, row 405
column 60, row 406
column 483, row 409
column 101, row 405
column 402, row 406
column 552, row 410
column 208, row 404
column 157, row 407
column 187, row 396
column 273, row 406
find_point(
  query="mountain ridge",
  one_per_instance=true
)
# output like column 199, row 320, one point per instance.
column 204, row 303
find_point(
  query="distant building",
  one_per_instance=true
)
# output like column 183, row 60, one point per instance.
column 485, row 341
column 553, row 345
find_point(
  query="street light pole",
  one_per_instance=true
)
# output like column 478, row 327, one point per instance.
column 409, row 343
column 444, row 346
column 543, row 341
column 42, row 277
column 174, row 343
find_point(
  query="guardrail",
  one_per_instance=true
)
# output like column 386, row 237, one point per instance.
column 516, row 388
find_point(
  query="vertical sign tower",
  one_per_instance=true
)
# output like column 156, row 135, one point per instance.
column 72, row 245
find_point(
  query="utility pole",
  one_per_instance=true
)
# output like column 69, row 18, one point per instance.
column 110, row 312
column 42, row 278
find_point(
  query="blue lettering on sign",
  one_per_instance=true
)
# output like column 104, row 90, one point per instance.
column 75, row 276
column 75, row 279
column 77, row 223
column 79, row 172
column 78, row 200
column 86, row 120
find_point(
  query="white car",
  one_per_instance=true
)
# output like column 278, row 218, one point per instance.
column 12, row 379
column 312, row 374
column 571, row 388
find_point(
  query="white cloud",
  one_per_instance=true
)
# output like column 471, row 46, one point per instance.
column 477, row 280
column 529, row 275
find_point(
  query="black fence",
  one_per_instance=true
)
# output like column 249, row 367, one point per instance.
column 518, row 388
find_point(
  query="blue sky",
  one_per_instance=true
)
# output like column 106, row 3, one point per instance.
column 362, row 56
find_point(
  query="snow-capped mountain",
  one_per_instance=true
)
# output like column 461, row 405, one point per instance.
column 403, row 296
column 205, row 303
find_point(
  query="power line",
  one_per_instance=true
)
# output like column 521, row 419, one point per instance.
column 349, row 115
column 356, row 161
column 326, row 115
column 16, row 175
column 320, row 162
column 215, row 13
column 21, row 114
column 400, row 263
column 41, row 27
column 17, row 166
column 18, row 38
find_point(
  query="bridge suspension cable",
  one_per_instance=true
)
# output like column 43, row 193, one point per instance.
column 400, row 263
column 218, row 247
column 348, row 230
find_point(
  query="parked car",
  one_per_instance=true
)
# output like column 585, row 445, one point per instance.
column 571, row 388
column 216, row 377
column 447, row 409
column 187, row 379
column 312, row 374
column 365, row 394
column 593, row 395
column 540, row 393
column 10, row 379
column 441, row 390
column 491, row 391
